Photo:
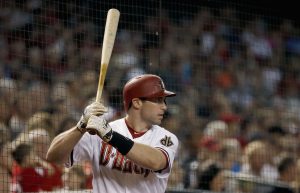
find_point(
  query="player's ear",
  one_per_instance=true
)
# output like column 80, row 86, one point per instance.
column 136, row 103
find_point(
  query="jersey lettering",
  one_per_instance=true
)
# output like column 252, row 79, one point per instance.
column 146, row 171
column 137, row 169
column 127, row 167
column 119, row 161
column 106, row 151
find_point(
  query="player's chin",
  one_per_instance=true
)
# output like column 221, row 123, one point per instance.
column 156, row 122
column 159, row 120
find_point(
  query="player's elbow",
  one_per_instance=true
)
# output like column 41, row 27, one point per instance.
column 157, row 164
column 52, row 157
column 158, row 161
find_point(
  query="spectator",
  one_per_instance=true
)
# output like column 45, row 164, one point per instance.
column 211, row 177
column 33, row 168
column 216, row 129
column 43, row 120
column 286, row 167
column 65, row 124
column 38, row 139
column 296, row 183
column 74, row 178
column 176, row 177
column 5, row 167
column 209, row 148
column 257, row 162
column 230, row 155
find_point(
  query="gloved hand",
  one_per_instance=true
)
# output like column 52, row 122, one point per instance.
column 99, row 126
column 95, row 109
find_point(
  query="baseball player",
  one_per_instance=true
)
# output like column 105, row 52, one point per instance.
column 133, row 154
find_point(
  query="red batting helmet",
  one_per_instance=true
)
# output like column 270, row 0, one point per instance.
column 147, row 86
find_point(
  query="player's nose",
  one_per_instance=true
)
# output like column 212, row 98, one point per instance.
column 164, row 106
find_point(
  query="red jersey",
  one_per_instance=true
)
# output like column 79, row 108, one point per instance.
column 31, row 179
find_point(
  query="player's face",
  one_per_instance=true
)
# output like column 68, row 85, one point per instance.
column 153, row 110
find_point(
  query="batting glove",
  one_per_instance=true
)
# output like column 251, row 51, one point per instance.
column 100, row 127
column 95, row 109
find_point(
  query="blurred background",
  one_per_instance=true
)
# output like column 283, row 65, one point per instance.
column 234, row 65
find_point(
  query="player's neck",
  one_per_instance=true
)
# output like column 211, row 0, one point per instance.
column 136, row 124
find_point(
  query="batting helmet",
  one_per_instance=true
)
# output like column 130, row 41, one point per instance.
column 144, row 86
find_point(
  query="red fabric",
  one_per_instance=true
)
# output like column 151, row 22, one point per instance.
column 53, row 182
column 133, row 133
column 210, row 144
column 16, row 171
column 30, row 180
column 87, row 168
column 231, row 118
column 89, row 182
column 224, row 80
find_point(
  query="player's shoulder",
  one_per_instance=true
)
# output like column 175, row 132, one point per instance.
column 165, row 137
column 163, row 131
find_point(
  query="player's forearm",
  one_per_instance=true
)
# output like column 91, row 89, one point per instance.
column 62, row 146
column 147, row 157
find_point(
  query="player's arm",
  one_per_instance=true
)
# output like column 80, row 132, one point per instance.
column 141, row 154
column 63, row 144
column 148, row 157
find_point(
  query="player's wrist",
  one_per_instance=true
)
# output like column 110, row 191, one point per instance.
column 121, row 143
column 81, row 125
column 81, row 130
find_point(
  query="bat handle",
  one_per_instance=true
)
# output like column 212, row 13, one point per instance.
column 99, row 93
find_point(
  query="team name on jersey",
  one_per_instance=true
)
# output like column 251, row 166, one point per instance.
column 120, row 162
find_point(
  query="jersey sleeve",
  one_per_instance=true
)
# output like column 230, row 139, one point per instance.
column 82, row 151
column 168, row 144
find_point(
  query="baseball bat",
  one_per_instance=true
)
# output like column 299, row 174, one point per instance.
column 110, row 31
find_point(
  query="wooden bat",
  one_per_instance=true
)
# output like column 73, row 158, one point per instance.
column 110, row 31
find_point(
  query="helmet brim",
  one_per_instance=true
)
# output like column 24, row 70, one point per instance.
column 169, row 93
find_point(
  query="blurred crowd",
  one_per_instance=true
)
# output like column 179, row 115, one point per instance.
column 236, row 112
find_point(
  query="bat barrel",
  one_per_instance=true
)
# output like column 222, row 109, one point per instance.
column 110, row 31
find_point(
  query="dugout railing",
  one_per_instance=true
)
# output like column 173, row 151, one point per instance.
column 246, row 183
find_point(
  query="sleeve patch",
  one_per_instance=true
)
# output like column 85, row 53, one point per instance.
column 166, row 141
